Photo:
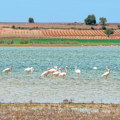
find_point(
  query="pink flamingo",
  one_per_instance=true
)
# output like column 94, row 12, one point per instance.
column 45, row 73
column 57, row 73
column 7, row 70
column 29, row 69
column 53, row 70
column 77, row 71
column 106, row 73
column 64, row 73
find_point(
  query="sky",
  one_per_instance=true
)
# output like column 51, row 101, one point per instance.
column 59, row 11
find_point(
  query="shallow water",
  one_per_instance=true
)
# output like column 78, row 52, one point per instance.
column 19, row 86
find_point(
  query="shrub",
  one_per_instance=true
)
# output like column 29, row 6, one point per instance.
column 74, row 42
column 79, row 28
column 22, row 27
column 1, row 41
column 108, row 32
column 30, row 28
column 67, row 42
column 13, row 27
column 119, row 26
column 9, row 42
column 103, row 27
column 31, row 41
column 92, row 28
column 24, row 41
column 88, row 29
column 73, row 28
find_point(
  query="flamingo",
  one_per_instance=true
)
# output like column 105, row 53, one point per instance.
column 45, row 73
column 77, row 71
column 106, row 73
column 53, row 70
column 64, row 73
column 57, row 73
column 29, row 69
column 7, row 70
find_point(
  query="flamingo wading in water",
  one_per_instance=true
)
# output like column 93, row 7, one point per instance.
column 7, row 70
column 77, row 71
column 57, row 73
column 29, row 69
column 45, row 73
column 64, row 73
column 106, row 73
column 53, row 70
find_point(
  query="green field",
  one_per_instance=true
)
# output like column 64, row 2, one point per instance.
column 67, row 41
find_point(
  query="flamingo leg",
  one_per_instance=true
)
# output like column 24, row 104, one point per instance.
column 78, row 75
column 52, row 75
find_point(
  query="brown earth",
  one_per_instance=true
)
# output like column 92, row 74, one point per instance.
column 72, row 111
column 57, row 33
column 60, row 25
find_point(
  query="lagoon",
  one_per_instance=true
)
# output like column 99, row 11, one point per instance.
column 21, row 87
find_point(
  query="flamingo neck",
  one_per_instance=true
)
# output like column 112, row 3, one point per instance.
column 75, row 69
column 109, row 70
column 59, row 71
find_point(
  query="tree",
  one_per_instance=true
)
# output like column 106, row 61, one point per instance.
column 90, row 20
column 108, row 32
column 102, row 20
column 31, row 20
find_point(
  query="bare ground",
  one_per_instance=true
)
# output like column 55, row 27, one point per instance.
column 70, row 111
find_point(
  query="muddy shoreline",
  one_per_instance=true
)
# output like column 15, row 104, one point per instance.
column 59, row 45
column 52, row 111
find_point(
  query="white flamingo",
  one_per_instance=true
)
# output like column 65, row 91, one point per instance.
column 7, row 70
column 53, row 70
column 95, row 68
column 29, row 69
column 106, row 73
column 64, row 73
column 57, row 73
column 77, row 71
column 45, row 73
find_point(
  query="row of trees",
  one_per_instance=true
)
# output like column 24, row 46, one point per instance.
column 89, row 20
column 92, row 20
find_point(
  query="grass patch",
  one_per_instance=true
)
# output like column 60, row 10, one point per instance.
column 63, row 41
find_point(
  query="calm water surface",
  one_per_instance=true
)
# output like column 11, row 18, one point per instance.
column 19, row 86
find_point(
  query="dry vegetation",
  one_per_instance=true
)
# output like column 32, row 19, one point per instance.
column 60, row 25
column 58, row 30
column 36, row 111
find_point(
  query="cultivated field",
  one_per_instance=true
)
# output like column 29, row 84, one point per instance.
column 73, row 34
column 56, row 30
